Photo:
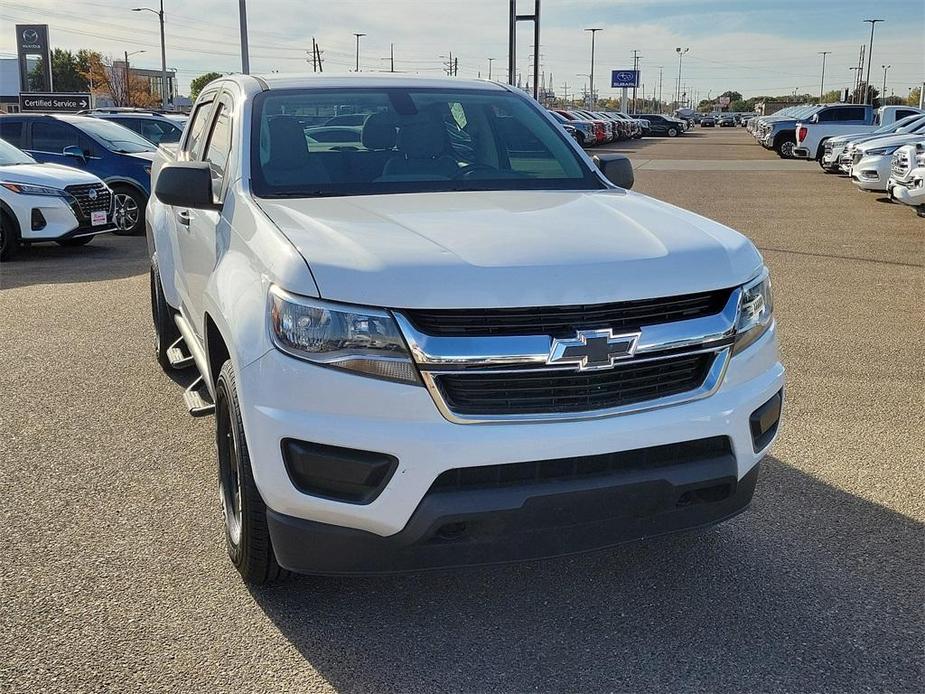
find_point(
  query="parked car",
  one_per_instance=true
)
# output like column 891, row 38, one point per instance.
column 778, row 131
column 662, row 125
column 840, row 119
column 871, row 160
column 834, row 147
column 726, row 120
column 707, row 121
column 907, row 176
column 592, row 365
column 604, row 126
column 117, row 155
column 151, row 126
column 584, row 131
column 49, row 202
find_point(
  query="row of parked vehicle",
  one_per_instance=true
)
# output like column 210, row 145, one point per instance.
column 67, row 178
column 880, row 150
column 591, row 128
column 722, row 120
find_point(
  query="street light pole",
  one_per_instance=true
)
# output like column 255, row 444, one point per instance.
column 822, row 84
column 160, row 16
column 883, row 91
column 591, row 76
column 870, row 51
column 127, row 95
column 489, row 68
column 242, row 20
column 358, row 51
column 680, row 56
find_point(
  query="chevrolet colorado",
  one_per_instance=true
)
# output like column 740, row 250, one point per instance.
column 457, row 340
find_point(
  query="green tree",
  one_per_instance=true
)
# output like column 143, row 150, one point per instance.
column 914, row 97
column 832, row 97
column 200, row 82
column 733, row 96
column 65, row 72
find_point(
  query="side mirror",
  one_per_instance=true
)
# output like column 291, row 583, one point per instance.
column 616, row 168
column 186, row 184
column 75, row 152
column 815, row 118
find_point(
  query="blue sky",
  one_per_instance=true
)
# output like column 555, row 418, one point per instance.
column 751, row 46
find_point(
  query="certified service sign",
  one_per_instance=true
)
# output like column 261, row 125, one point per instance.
column 53, row 102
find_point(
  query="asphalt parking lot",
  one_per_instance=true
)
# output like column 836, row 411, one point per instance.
column 115, row 574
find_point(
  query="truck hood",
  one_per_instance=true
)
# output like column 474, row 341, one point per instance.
column 888, row 141
column 53, row 175
column 509, row 248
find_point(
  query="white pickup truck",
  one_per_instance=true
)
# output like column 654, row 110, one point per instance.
column 841, row 119
column 439, row 334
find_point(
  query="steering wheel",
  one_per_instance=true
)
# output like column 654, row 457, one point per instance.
column 472, row 169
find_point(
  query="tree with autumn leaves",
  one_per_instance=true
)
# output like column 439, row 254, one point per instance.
column 88, row 70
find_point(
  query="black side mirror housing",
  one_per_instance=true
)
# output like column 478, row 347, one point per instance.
column 75, row 152
column 616, row 168
column 186, row 184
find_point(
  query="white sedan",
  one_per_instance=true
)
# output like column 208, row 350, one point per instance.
column 49, row 202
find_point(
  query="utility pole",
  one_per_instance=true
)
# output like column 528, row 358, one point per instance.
column 591, row 75
column 358, row 51
column 636, row 57
column 870, row 52
column 822, row 84
column 565, row 93
column 489, row 68
column 854, row 92
column 680, row 57
column 883, row 91
column 391, row 57
column 242, row 20
column 659, row 87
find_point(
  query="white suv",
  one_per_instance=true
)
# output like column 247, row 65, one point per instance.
column 48, row 202
column 444, row 335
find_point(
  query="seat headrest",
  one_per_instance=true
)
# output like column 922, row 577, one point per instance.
column 422, row 140
column 288, row 147
column 379, row 132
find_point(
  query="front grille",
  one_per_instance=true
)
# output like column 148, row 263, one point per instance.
column 562, row 321
column 554, row 391
column 85, row 205
column 580, row 467
column 900, row 165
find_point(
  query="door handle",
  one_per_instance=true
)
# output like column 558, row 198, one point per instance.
column 184, row 217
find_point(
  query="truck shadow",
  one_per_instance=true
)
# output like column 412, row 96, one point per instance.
column 106, row 257
column 812, row 589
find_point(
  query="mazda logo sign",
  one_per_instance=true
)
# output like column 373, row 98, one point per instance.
column 30, row 36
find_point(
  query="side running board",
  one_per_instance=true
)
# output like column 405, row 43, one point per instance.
column 198, row 400
column 176, row 356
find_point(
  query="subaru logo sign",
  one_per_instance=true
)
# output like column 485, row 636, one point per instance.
column 624, row 78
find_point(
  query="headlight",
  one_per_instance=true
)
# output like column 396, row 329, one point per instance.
column 363, row 340
column 30, row 189
column 920, row 159
column 755, row 311
column 881, row 151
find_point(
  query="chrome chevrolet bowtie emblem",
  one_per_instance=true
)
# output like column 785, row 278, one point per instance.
column 593, row 349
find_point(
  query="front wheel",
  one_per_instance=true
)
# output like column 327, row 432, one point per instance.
column 129, row 211
column 672, row 132
column 247, row 537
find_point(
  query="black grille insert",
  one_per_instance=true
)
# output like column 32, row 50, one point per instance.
column 561, row 321
column 550, row 391
column 86, row 202
column 581, row 467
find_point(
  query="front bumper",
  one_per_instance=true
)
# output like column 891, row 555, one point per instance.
column 871, row 173
column 910, row 193
column 283, row 397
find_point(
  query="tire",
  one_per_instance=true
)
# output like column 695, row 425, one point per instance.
column 73, row 243
column 672, row 132
column 9, row 236
column 784, row 147
column 165, row 329
column 129, row 214
column 247, row 537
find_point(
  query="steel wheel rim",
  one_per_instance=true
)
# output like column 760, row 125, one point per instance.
column 126, row 212
column 229, row 478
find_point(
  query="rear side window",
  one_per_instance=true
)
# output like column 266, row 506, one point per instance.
column 198, row 130
column 52, row 136
column 842, row 114
column 904, row 114
column 11, row 131
column 219, row 149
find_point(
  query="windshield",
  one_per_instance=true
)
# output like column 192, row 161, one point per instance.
column 407, row 140
column 10, row 155
column 114, row 136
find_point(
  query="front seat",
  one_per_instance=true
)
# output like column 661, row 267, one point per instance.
column 289, row 161
column 421, row 154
